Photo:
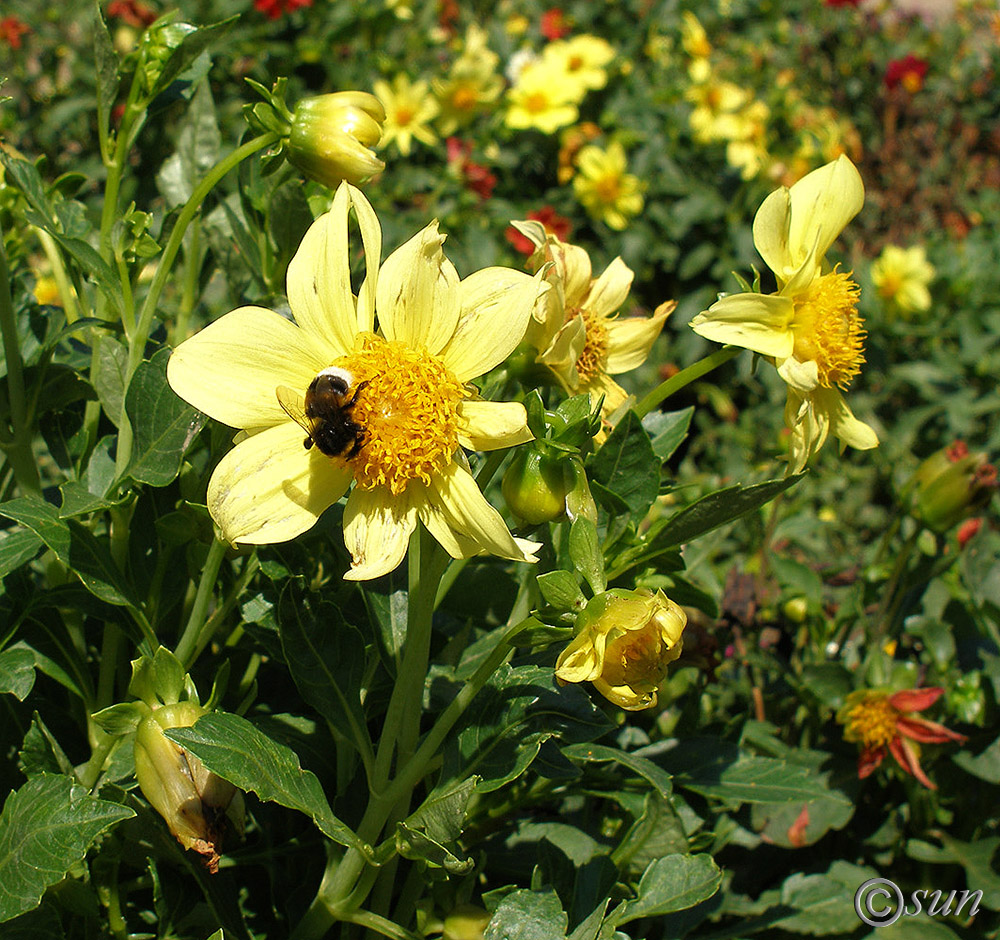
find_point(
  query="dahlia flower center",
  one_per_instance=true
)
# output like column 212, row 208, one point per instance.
column 536, row 102
column 404, row 116
column 828, row 330
column 635, row 659
column 873, row 722
column 408, row 410
column 464, row 98
column 595, row 347
column 608, row 188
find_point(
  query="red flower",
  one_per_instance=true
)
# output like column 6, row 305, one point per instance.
column 554, row 224
column 477, row 178
column 554, row 24
column 968, row 529
column 841, row 3
column 11, row 31
column 908, row 72
column 882, row 722
column 132, row 13
column 276, row 8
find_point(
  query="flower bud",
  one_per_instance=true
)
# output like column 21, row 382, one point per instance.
column 331, row 136
column 534, row 487
column 624, row 642
column 951, row 484
column 194, row 802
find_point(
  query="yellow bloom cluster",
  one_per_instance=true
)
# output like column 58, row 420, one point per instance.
column 472, row 84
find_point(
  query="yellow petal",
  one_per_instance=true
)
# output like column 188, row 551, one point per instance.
column 377, row 529
column 630, row 340
column 269, row 488
column 843, row 425
column 418, row 295
column 371, row 238
column 809, row 428
column 760, row 322
column 609, row 291
column 487, row 425
column 572, row 269
column 319, row 278
column 465, row 510
column 802, row 376
column 565, row 349
column 231, row 368
column 602, row 386
column 579, row 662
column 625, row 696
column 496, row 307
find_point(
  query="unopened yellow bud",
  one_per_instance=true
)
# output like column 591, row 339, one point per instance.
column 624, row 642
column 331, row 136
column 466, row 922
column 194, row 802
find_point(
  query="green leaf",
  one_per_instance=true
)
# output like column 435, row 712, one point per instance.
column 441, row 815
column 656, row 832
column 17, row 548
column 75, row 546
column 914, row 928
column 718, row 508
column 163, row 424
column 585, row 553
column 45, row 829
column 823, row 902
column 77, row 500
column 975, row 857
column 17, row 672
column 415, row 844
column 667, row 430
column 639, row 765
column 561, row 590
column 235, row 750
column 106, row 60
column 626, row 465
column 89, row 261
column 108, row 377
column 198, row 144
column 985, row 765
column 673, row 883
column 574, row 843
column 187, row 50
column 528, row 915
column 326, row 657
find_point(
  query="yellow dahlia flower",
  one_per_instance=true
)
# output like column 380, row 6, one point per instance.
column 809, row 328
column 472, row 84
column 411, row 405
column 604, row 188
column 542, row 97
column 583, row 61
column 902, row 276
column 576, row 328
column 409, row 108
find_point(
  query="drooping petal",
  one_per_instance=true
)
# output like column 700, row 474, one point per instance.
column 377, row 529
column 417, row 295
column 630, row 340
column 319, row 278
column 906, row 757
column 496, row 305
column 487, row 425
column 844, row 426
column 809, row 428
column 609, row 291
column 231, row 368
column 580, row 661
column 371, row 238
column 927, row 732
column 601, row 385
column 802, row 376
column 761, row 322
column 624, row 696
column 915, row 700
column 868, row 760
column 572, row 268
column 565, row 349
column 464, row 509
column 269, row 488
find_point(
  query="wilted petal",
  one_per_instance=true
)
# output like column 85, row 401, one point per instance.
column 377, row 529
column 868, row 760
column 269, row 488
column 761, row 322
column 487, row 425
column 927, row 732
column 915, row 700
column 906, row 757
column 417, row 294
column 231, row 368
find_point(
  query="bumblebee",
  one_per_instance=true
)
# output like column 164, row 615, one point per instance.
column 325, row 413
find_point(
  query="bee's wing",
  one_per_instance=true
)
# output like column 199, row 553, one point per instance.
column 294, row 405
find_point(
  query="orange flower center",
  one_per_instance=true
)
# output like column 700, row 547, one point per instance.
column 536, row 102
column 828, row 330
column 403, row 116
column 873, row 722
column 408, row 410
column 464, row 98
column 608, row 188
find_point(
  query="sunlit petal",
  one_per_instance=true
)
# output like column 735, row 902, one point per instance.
column 487, row 425
column 608, row 292
column 377, row 529
column 761, row 322
column 631, row 338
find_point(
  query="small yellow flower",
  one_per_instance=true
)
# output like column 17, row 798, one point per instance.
column 624, row 642
column 543, row 98
column 47, row 291
column 576, row 328
column 809, row 328
column 717, row 104
column 604, row 188
column 583, row 60
column 412, row 400
column 902, row 277
column 409, row 108
column 693, row 37
column 747, row 148
column 472, row 84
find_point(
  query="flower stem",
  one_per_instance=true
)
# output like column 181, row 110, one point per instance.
column 685, row 377
column 192, row 631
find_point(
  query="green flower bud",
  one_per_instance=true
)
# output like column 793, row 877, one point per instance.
column 331, row 136
column 623, row 644
column 952, row 484
column 534, row 487
column 197, row 805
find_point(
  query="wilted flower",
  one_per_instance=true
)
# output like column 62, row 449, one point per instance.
column 576, row 328
column 901, row 276
column 623, row 644
column 405, row 405
column 909, row 72
column 331, row 136
column 603, row 186
column 409, row 108
column 881, row 721
column 810, row 328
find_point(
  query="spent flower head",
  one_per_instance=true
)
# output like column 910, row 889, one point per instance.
column 390, row 408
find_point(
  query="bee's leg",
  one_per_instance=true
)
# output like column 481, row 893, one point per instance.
column 357, row 391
